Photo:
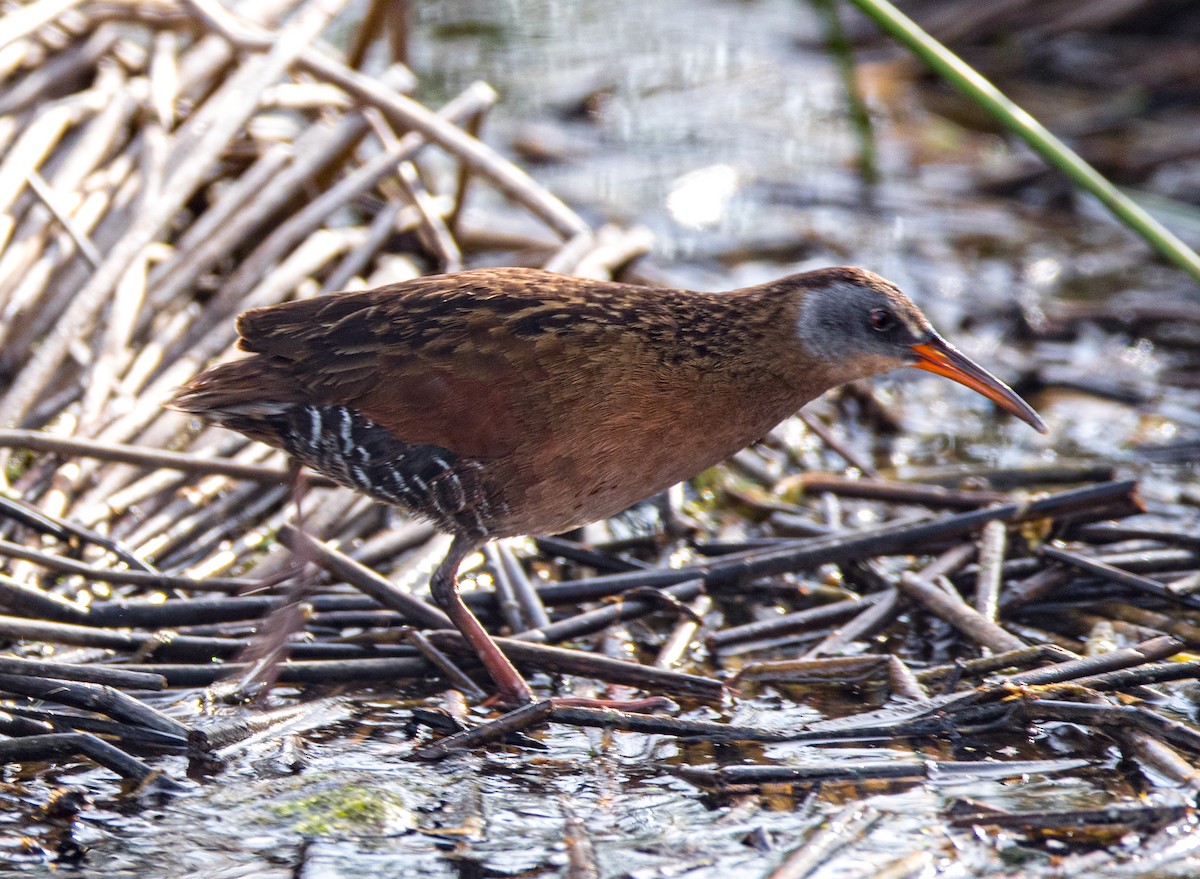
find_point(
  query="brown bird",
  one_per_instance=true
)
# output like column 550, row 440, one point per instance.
column 501, row 402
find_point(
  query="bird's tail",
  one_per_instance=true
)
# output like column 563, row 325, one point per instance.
column 244, row 395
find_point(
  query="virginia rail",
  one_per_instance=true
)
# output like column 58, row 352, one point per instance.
column 499, row 402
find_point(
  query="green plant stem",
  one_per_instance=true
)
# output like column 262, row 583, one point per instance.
column 860, row 116
column 967, row 80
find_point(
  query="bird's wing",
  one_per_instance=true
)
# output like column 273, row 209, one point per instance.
column 434, row 362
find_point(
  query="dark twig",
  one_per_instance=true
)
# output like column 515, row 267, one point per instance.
column 787, row 624
column 627, row 606
column 532, row 609
column 543, row 657
column 932, row 771
column 900, row 492
column 949, row 606
column 1116, row 575
column 521, row 719
column 108, row 675
column 831, row 441
column 584, row 555
column 872, row 617
column 439, row 660
column 45, row 747
column 362, row 577
column 93, row 697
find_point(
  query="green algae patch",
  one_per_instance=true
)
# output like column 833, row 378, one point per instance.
column 347, row 810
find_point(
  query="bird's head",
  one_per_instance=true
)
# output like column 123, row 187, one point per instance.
column 862, row 325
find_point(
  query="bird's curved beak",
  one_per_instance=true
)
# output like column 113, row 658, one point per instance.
column 941, row 358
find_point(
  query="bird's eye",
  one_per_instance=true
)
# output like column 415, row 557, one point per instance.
column 882, row 320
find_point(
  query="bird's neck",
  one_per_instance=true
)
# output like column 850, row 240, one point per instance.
column 749, row 372
column 762, row 354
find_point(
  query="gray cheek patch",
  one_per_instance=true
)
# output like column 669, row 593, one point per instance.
column 817, row 325
column 832, row 323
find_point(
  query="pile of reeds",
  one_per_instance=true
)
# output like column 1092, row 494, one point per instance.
column 164, row 166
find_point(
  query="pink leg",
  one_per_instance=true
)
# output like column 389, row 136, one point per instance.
column 510, row 686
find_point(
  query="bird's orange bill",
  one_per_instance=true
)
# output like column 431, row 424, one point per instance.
column 939, row 357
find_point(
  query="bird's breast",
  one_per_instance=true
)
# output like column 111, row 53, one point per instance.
column 627, row 441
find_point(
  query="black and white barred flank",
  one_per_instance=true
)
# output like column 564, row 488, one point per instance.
column 351, row 449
